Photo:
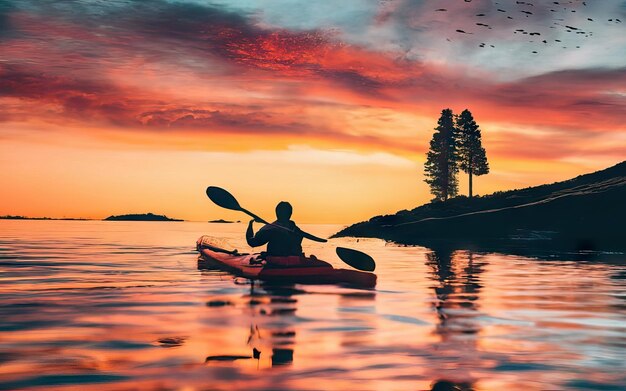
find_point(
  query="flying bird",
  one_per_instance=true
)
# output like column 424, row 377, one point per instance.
column 524, row 7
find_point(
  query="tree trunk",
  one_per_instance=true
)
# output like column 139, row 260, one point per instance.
column 471, row 167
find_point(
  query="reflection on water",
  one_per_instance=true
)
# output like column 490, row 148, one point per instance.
column 116, row 305
column 456, row 278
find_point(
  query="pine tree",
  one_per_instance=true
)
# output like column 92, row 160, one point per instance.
column 471, row 154
column 441, row 160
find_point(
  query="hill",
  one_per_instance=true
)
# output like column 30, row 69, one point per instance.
column 586, row 212
column 140, row 217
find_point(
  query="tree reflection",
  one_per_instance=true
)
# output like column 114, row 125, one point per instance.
column 457, row 288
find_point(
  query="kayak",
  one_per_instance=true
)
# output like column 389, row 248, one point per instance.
column 298, row 269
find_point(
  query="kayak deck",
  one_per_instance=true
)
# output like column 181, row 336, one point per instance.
column 309, row 271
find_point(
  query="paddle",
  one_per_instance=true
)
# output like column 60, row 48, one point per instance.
column 354, row 258
column 226, row 200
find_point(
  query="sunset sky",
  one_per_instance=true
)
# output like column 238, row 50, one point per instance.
column 111, row 107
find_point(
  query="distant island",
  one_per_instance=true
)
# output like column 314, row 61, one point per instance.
column 140, row 217
column 583, row 213
column 222, row 221
column 11, row 217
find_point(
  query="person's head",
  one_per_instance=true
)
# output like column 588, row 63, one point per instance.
column 283, row 211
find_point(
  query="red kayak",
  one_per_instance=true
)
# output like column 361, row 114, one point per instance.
column 302, row 270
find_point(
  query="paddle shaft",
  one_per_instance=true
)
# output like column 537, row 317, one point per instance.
column 257, row 218
column 304, row 234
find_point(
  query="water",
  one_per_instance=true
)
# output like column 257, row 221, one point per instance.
column 91, row 305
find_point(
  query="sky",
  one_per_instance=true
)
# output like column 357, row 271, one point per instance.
column 112, row 107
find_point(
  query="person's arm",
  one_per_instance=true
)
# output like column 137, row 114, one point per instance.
column 297, row 230
column 255, row 240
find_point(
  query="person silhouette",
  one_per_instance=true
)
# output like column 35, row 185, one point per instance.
column 283, row 237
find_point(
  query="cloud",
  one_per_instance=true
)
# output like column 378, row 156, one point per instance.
column 197, row 67
column 70, row 101
column 240, row 121
column 502, row 45
column 66, row 96
column 93, row 101
column 191, row 34
column 573, row 99
column 5, row 9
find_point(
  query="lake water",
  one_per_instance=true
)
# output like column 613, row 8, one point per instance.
column 93, row 305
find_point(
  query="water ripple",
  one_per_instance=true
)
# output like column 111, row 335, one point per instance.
column 109, row 306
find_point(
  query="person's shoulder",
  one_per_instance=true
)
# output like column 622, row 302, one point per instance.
column 293, row 226
column 289, row 224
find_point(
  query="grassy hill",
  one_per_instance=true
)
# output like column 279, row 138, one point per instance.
column 586, row 212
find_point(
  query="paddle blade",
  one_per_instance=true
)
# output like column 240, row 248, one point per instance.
column 356, row 259
column 222, row 198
